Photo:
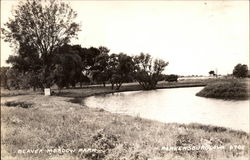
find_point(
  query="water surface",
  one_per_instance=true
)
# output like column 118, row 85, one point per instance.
column 176, row 105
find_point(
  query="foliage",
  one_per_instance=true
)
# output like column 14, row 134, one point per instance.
column 90, row 57
column 18, row 104
column 73, row 64
column 23, row 80
column 26, row 59
column 41, row 31
column 3, row 76
column 121, row 67
column 148, row 71
column 171, row 78
column 43, row 26
column 240, row 71
column 100, row 68
column 230, row 89
column 33, row 79
column 13, row 79
column 211, row 73
column 67, row 66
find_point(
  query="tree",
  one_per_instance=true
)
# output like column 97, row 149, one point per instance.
column 3, row 76
column 171, row 78
column 43, row 25
column 121, row 68
column 240, row 71
column 95, row 64
column 28, row 63
column 148, row 71
column 22, row 80
column 100, row 68
column 67, row 67
column 211, row 73
column 13, row 79
column 33, row 79
column 26, row 59
column 89, row 58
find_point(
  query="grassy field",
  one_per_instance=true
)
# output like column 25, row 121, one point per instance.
column 34, row 121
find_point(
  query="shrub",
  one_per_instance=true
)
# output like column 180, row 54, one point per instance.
column 240, row 71
column 76, row 100
column 171, row 78
column 18, row 104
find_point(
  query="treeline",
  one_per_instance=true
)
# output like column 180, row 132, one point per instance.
column 42, row 31
column 70, row 65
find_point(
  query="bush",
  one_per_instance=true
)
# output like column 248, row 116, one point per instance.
column 240, row 71
column 234, row 90
column 171, row 78
column 76, row 100
column 18, row 104
column 18, row 80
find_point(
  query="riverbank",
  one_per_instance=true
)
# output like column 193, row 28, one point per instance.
column 100, row 90
column 90, row 90
column 52, row 122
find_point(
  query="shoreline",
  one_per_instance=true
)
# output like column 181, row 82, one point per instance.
column 127, row 88
column 120, row 91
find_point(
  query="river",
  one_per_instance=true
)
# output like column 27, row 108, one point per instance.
column 176, row 105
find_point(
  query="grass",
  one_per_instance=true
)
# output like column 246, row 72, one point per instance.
column 55, row 122
column 10, row 93
column 99, row 89
column 229, row 90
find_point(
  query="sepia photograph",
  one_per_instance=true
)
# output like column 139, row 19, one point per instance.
column 125, row 80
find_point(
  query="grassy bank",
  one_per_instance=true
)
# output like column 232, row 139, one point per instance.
column 90, row 90
column 226, row 89
column 97, row 90
column 54, row 122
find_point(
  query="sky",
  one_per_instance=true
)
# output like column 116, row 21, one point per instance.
column 193, row 36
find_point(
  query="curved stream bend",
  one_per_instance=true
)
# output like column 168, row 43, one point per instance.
column 176, row 105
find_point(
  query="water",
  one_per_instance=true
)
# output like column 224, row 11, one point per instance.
column 176, row 105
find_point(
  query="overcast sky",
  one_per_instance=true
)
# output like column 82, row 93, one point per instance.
column 193, row 36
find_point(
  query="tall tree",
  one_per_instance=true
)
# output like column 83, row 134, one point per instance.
column 100, row 68
column 120, row 68
column 44, row 25
column 89, row 59
column 28, row 66
column 67, row 66
column 148, row 71
column 26, row 59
